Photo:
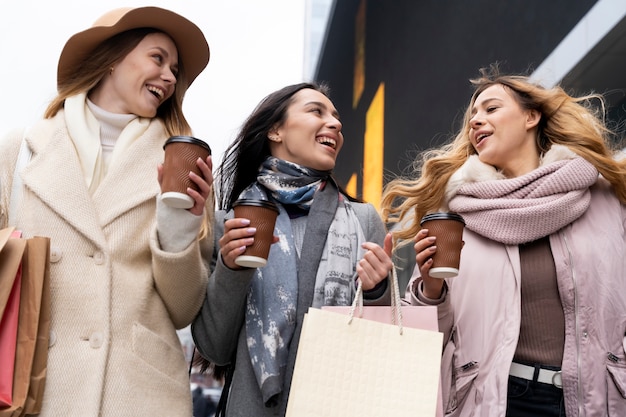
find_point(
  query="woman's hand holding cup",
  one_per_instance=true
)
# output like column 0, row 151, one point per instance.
column 238, row 235
column 425, row 248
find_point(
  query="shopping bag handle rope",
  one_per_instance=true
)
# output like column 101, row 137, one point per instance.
column 396, row 303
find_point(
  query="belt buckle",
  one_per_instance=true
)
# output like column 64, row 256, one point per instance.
column 557, row 379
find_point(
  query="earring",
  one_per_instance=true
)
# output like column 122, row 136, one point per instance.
column 111, row 70
column 273, row 138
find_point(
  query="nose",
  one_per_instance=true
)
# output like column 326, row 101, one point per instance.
column 475, row 121
column 168, row 75
column 334, row 123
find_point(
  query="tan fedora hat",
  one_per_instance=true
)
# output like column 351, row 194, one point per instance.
column 193, row 49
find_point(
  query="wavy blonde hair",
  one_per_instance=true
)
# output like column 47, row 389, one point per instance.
column 565, row 120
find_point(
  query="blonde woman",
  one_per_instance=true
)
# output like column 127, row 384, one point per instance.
column 126, row 271
column 535, row 320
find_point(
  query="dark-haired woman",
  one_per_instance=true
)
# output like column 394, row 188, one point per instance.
column 325, row 241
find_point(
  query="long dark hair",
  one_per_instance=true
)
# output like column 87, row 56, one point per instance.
column 250, row 148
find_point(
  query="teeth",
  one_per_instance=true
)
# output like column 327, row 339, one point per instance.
column 157, row 91
column 327, row 141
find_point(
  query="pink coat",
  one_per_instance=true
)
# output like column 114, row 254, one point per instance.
column 480, row 316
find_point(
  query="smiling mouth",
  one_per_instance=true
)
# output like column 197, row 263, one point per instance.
column 157, row 92
column 480, row 138
column 324, row 140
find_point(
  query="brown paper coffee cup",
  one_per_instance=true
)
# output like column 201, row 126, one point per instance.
column 262, row 215
column 448, row 228
column 181, row 154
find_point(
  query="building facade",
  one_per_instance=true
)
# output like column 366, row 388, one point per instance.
column 399, row 70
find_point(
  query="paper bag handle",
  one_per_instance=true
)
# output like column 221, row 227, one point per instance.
column 396, row 303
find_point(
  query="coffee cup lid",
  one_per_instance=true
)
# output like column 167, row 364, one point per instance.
column 187, row 139
column 442, row 216
column 256, row 202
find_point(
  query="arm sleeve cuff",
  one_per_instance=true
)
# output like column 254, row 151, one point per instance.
column 376, row 292
column 176, row 228
column 418, row 292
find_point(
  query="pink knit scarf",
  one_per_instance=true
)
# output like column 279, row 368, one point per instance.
column 526, row 208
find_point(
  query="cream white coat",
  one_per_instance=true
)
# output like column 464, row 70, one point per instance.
column 117, row 298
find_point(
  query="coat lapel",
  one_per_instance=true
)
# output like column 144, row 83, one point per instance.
column 320, row 217
column 318, row 222
column 54, row 176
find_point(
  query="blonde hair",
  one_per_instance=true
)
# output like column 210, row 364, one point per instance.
column 206, row 230
column 565, row 120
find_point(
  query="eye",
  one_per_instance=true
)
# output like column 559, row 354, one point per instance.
column 158, row 58
column 316, row 110
column 491, row 109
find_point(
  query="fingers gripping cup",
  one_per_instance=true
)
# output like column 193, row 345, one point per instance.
column 448, row 228
column 181, row 154
column 262, row 215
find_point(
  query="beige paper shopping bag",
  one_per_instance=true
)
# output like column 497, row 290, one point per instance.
column 348, row 365
column 417, row 317
column 363, row 368
column 37, row 269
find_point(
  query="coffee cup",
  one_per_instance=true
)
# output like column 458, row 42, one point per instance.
column 448, row 228
column 262, row 215
column 181, row 154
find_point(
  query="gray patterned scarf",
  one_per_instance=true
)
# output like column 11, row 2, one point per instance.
column 271, row 305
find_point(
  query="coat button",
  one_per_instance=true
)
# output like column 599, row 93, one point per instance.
column 95, row 340
column 98, row 258
column 52, row 338
column 55, row 254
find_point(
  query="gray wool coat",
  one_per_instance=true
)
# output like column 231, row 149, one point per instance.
column 219, row 329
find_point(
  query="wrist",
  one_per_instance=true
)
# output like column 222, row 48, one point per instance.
column 433, row 292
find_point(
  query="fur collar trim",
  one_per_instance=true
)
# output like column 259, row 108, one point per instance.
column 474, row 170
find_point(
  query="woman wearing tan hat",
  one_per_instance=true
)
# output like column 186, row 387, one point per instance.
column 126, row 270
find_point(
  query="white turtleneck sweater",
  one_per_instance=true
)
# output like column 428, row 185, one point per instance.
column 111, row 125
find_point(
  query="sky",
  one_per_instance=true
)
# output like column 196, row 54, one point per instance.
column 256, row 47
